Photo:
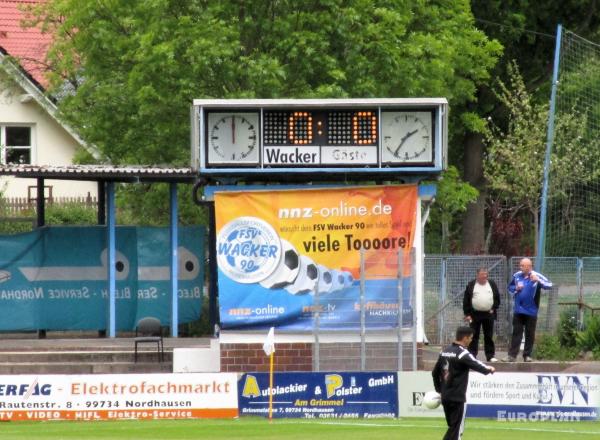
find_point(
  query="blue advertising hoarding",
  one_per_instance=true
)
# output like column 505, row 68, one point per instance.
column 323, row 395
column 55, row 278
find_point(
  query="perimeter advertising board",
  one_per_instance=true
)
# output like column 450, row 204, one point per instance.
column 320, row 395
column 55, row 278
column 512, row 396
column 279, row 250
column 118, row 396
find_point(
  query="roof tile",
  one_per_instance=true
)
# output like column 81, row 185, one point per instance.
column 28, row 45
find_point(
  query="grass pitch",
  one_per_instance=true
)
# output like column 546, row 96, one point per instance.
column 290, row 429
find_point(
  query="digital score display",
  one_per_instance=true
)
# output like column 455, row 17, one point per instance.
column 374, row 135
column 337, row 127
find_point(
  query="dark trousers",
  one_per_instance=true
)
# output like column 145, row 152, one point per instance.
column 485, row 320
column 522, row 322
column 455, row 418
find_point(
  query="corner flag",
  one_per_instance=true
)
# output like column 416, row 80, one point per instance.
column 269, row 348
column 269, row 345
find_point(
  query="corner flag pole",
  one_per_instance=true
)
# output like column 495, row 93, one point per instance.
column 271, row 387
column 269, row 348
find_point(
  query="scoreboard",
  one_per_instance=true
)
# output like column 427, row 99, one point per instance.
column 274, row 136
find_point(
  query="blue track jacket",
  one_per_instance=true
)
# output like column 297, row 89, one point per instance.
column 527, row 300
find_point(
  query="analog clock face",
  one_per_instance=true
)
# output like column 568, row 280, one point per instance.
column 407, row 137
column 232, row 138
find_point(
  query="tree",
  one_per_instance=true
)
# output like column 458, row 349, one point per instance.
column 526, row 32
column 452, row 198
column 514, row 166
column 128, row 71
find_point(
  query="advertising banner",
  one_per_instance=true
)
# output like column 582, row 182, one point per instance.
column 55, row 278
column 512, row 396
column 118, row 396
column 320, row 395
column 278, row 250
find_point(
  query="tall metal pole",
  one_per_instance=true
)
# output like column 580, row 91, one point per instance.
column 174, row 265
column 363, row 345
column 541, row 247
column 213, row 309
column 41, row 203
column 400, row 307
column 112, row 284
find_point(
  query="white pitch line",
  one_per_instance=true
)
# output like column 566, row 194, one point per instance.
column 470, row 427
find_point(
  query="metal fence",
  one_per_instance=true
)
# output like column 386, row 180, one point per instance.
column 445, row 279
column 575, row 292
column 365, row 345
column 383, row 336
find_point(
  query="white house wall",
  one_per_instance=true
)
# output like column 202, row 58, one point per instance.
column 52, row 145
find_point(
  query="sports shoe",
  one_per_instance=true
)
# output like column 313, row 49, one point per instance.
column 492, row 359
column 509, row 359
column 527, row 359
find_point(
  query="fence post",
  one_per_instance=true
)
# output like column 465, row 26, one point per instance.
column 442, row 297
column 580, row 309
column 413, row 301
column 363, row 362
column 400, row 307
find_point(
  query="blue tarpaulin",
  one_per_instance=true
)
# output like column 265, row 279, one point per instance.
column 55, row 278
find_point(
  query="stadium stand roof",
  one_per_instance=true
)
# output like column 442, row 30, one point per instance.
column 112, row 173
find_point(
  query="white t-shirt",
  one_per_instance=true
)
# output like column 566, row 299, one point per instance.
column 483, row 297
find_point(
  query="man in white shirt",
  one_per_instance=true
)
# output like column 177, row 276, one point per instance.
column 480, row 304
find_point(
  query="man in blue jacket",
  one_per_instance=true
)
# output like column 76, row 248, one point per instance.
column 525, row 288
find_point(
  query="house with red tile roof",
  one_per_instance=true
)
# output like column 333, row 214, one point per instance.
column 30, row 130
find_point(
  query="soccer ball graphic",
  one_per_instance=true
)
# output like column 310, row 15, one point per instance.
column 431, row 400
column 348, row 279
column 337, row 282
column 188, row 266
column 325, row 279
column 308, row 276
column 287, row 270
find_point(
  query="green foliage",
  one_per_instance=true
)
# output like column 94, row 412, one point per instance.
column 516, row 152
column 589, row 338
column 17, row 225
column 515, row 162
column 561, row 346
column 148, row 205
column 452, row 198
column 126, row 72
column 548, row 346
column 567, row 330
column 63, row 214
column 569, row 343
column 71, row 214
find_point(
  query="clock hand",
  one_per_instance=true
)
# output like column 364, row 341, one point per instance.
column 233, row 129
column 404, row 139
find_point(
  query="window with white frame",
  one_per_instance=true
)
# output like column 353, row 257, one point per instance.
column 16, row 144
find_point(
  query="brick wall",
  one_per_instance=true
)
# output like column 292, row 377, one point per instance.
column 381, row 356
column 251, row 357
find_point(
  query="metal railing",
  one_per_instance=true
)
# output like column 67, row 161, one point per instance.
column 575, row 291
column 382, row 333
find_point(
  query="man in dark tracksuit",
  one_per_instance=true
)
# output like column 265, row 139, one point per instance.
column 451, row 377
column 480, row 305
